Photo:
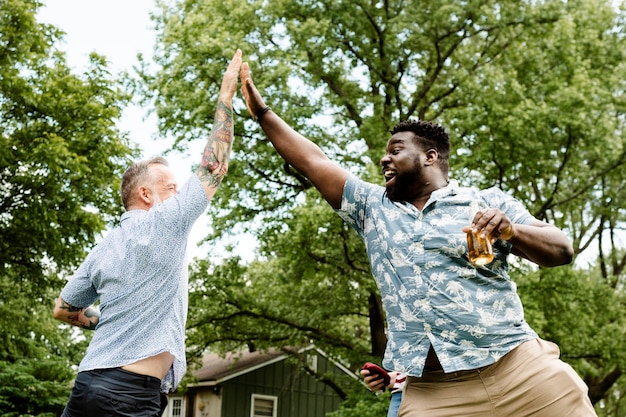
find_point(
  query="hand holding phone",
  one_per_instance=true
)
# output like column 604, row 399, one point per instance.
column 378, row 372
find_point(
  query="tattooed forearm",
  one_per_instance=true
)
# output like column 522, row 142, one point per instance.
column 92, row 314
column 87, row 318
column 69, row 308
column 216, row 154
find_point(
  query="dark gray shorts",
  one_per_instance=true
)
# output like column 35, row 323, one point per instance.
column 115, row 392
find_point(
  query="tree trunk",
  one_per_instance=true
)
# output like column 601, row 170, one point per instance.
column 377, row 325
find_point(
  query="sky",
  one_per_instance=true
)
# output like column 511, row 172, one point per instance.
column 119, row 30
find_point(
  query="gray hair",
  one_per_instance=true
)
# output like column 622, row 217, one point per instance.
column 137, row 174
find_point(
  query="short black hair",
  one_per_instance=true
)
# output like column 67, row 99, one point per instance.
column 428, row 135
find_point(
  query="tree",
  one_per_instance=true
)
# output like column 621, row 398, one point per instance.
column 593, row 342
column 558, row 87
column 291, row 299
column 59, row 168
column 522, row 86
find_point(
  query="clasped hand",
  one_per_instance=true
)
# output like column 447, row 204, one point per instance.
column 492, row 223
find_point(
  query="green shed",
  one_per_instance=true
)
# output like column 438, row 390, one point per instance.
column 261, row 384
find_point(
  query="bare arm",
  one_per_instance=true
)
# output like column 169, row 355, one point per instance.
column 87, row 318
column 214, row 164
column 304, row 155
column 539, row 242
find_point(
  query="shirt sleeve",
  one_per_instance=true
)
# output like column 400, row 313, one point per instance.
column 79, row 290
column 182, row 210
column 353, row 204
column 514, row 209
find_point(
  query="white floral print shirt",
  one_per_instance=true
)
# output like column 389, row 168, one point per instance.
column 432, row 294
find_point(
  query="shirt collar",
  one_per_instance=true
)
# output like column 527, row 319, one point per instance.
column 132, row 213
column 451, row 189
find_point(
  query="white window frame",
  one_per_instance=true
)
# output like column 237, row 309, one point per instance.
column 271, row 398
column 169, row 411
column 312, row 361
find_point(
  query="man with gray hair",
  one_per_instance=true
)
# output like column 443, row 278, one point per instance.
column 139, row 274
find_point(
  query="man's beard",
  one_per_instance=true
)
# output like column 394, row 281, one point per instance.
column 156, row 198
column 403, row 187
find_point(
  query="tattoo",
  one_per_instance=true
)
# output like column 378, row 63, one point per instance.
column 216, row 154
column 90, row 314
column 70, row 308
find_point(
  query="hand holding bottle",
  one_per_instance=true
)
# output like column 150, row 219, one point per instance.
column 487, row 225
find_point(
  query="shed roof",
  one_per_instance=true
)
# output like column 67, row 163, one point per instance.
column 219, row 368
column 216, row 368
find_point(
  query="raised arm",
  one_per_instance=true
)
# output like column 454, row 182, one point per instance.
column 87, row 318
column 304, row 155
column 214, row 164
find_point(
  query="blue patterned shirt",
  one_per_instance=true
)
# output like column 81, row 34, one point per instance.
column 139, row 273
column 432, row 294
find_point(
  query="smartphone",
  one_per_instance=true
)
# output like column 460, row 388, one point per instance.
column 377, row 370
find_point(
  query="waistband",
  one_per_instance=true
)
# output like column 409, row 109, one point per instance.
column 120, row 374
column 465, row 375
column 441, row 376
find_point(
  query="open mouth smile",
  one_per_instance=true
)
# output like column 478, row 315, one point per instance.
column 389, row 175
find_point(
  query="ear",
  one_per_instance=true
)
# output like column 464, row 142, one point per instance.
column 432, row 156
column 145, row 195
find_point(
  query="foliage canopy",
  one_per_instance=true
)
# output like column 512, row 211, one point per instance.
column 61, row 159
column 522, row 87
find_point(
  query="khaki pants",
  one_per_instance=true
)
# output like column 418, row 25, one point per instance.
column 531, row 380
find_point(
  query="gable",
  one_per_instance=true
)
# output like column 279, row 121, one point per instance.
column 230, row 384
column 216, row 369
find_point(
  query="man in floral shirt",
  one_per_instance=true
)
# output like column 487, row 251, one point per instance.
column 457, row 330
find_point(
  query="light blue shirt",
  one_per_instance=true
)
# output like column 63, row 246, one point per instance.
column 432, row 294
column 139, row 273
